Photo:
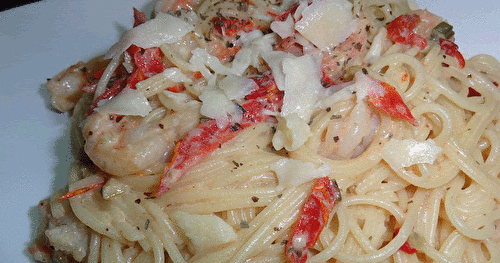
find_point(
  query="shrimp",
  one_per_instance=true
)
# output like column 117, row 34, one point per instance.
column 57, row 219
column 65, row 89
column 128, row 145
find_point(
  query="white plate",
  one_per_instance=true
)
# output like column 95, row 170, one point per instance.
column 39, row 40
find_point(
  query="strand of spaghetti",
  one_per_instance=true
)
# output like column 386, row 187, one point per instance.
column 397, row 60
column 455, row 218
column 214, row 206
column 258, row 164
column 378, row 202
column 157, row 246
column 168, row 243
column 396, row 242
column 379, row 173
column 359, row 236
column 444, row 117
column 163, row 221
column 116, row 251
column 174, row 58
column 477, row 124
column 429, row 223
column 474, row 78
column 493, row 250
column 464, row 162
column 446, row 172
column 197, row 195
column 492, row 163
column 94, row 245
column 420, row 244
column 339, row 240
column 124, row 222
column 438, row 86
column 267, row 232
column 454, row 245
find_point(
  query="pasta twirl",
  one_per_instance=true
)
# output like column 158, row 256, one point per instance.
column 198, row 138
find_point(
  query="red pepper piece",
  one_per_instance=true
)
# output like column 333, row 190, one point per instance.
column 149, row 61
column 176, row 88
column 406, row 246
column 116, row 88
column 80, row 191
column 451, row 49
column 289, row 11
column 139, row 17
column 230, row 27
column 312, row 219
column 386, row 98
column 207, row 137
column 400, row 30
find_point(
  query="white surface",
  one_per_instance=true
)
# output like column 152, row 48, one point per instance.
column 41, row 39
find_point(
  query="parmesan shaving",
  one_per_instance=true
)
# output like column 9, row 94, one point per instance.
column 326, row 23
column 127, row 102
column 405, row 153
column 291, row 172
column 216, row 105
column 204, row 231
column 164, row 28
column 284, row 28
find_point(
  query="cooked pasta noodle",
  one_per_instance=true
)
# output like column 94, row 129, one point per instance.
column 416, row 186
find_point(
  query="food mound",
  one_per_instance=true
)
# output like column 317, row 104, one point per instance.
column 275, row 131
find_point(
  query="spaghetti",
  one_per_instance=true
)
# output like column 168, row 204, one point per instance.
column 202, row 137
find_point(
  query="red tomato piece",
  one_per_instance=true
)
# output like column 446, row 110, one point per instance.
column 230, row 27
column 406, row 246
column 400, row 30
column 386, row 98
column 313, row 218
column 451, row 49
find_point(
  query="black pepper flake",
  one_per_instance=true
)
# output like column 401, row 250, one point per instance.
column 336, row 117
column 161, row 126
column 235, row 127
column 336, row 138
column 146, row 224
column 255, row 199
column 328, row 109
column 358, row 46
column 90, row 133
column 137, row 201
column 236, row 164
column 240, row 108
column 280, row 195
column 445, row 65
column 107, row 229
column 284, row 242
column 469, row 76
column 244, row 224
column 277, row 228
column 365, row 71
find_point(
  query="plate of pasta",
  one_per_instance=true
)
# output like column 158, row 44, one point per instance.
column 252, row 131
